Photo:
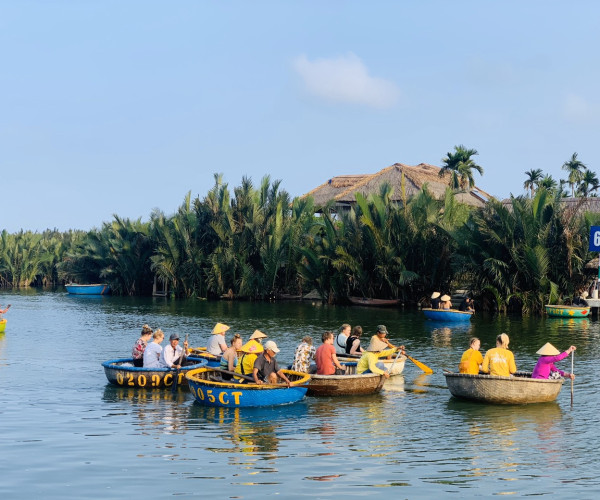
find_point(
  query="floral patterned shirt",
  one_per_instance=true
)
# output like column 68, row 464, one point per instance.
column 304, row 353
column 138, row 349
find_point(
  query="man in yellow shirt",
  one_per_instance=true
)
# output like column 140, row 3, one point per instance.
column 499, row 361
column 369, row 361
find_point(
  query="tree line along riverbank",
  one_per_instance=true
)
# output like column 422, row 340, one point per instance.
column 255, row 243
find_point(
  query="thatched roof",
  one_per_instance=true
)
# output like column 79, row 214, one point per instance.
column 578, row 205
column 343, row 188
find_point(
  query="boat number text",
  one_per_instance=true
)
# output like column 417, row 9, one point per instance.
column 223, row 397
column 142, row 380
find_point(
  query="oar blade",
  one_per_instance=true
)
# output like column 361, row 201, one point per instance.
column 422, row 366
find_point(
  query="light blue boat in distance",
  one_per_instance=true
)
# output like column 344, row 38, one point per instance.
column 451, row 315
column 95, row 289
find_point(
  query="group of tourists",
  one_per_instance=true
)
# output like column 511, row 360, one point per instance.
column 500, row 361
column 347, row 343
column 152, row 355
column 444, row 302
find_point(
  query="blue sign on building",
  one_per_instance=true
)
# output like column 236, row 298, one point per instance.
column 595, row 239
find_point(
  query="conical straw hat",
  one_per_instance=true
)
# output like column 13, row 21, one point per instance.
column 258, row 335
column 220, row 328
column 435, row 295
column 252, row 347
column 445, row 298
column 548, row 350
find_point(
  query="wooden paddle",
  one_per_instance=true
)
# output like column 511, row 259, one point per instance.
column 422, row 366
column 395, row 359
column 235, row 374
column 572, row 363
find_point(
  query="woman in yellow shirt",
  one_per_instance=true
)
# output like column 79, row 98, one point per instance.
column 499, row 361
column 471, row 359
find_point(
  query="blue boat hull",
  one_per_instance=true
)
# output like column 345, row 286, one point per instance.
column 235, row 395
column 447, row 315
column 121, row 372
column 99, row 289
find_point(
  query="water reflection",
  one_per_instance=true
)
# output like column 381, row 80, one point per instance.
column 535, row 428
column 154, row 410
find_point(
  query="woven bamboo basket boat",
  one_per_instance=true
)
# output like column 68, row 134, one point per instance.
column 210, row 389
column 348, row 384
column 397, row 369
column 518, row 389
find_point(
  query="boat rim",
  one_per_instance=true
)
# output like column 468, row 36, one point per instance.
column 111, row 363
column 191, row 376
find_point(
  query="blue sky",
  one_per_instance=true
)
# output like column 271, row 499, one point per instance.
column 120, row 107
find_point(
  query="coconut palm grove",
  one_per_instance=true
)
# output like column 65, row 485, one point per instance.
column 253, row 242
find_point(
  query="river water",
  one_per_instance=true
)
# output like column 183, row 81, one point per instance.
column 66, row 433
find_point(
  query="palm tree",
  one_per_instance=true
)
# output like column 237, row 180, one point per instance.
column 589, row 184
column 460, row 165
column 548, row 183
column 534, row 177
column 575, row 169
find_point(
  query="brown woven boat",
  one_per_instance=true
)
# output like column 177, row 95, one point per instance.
column 348, row 384
column 518, row 389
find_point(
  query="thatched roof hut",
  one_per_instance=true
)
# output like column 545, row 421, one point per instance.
column 342, row 188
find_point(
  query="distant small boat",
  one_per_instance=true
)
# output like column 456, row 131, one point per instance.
column 95, row 289
column 447, row 314
column 518, row 389
column 364, row 301
column 210, row 389
column 2, row 325
column 121, row 372
column 567, row 311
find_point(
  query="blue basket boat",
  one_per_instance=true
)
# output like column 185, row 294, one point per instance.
column 450, row 315
column 210, row 389
column 121, row 372
column 96, row 289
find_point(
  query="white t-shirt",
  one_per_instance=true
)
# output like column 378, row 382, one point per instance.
column 152, row 355
column 216, row 344
column 169, row 357
column 340, row 343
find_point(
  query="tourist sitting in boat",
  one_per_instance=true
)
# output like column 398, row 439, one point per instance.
column 154, row 350
column 217, row 345
column 499, row 361
column 445, row 302
column 229, row 359
column 342, row 338
column 171, row 356
column 353, row 342
column 305, row 352
column 380, row 340
column 250, row 350
column 466, row 305
column 435, row 300
column 472, row 359
column 266, row 370
column 140, row 346
column 326, row 358
column 548, row 356
column 369, row 361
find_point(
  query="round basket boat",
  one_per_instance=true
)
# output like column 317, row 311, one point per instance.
column 121, row 372
column 348, row 384
column 396, row 368
column 556, row 311
column 210, row 389
column 518, row 389
column 450, row 315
